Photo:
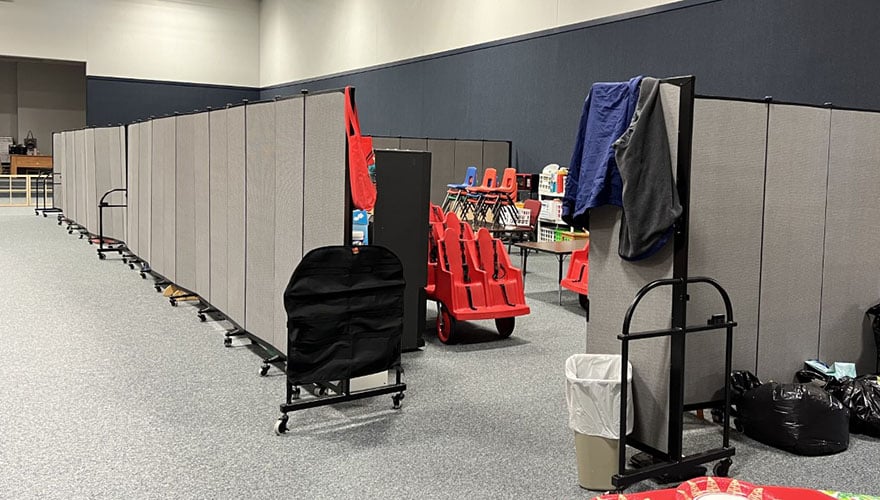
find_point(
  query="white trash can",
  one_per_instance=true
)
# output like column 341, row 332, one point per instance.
column 592, row 391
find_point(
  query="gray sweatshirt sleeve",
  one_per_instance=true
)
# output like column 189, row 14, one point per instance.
column 650, row 198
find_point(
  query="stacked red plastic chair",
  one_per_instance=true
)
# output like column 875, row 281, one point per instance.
column 473, row 279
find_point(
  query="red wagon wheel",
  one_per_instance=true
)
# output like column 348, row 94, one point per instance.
column 505, row 326
column 445, row 326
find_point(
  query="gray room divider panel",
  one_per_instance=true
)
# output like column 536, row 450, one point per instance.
column 468, row 153
column 324, row 199
column 72, row 197
column 613, row 284
column 442, row 168
column 89, row 172
column 145, row 190
column 164, row 199
column 103, row 182
column 58, row 170
column 201, row 159
column 219, row 207
column 386, row 142
column 184, row 213
column 496, row 154
column 727, row 196
column 288, row 207
column 260, row 240
column 794, row 207
column 79, row 139
column 852, row 242
column 132, row 239
column 119, row 178
column 235, row 246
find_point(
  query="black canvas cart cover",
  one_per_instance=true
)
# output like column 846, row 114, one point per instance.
column 344, row 314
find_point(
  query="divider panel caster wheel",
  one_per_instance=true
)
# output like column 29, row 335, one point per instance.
column 281, row 425
column 143, row 275
column 80, row 236
column 227, row 341
column 44, row 216
column 172, row 302
column 722, row 468
column 202, row 317
column 102, row 256
column 445, row 326
column 264, row 370
column 396, row 399
column 505, row 326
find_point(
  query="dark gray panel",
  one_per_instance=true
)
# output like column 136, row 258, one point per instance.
column 132, row 157
column 442, row 168
column 613, row 284
column 219, row 205
column 496, row 154
column 794, row 213
column 184, row 215
column 325, row 165
column 90, row 178
column 145, row 190
column 386, row 142
column 288, row 206
column 851, row 284
column 235, row 246
column 727, row 196
column 468, row 153
column 260, row 240
column 201, row 158
column 414, row 144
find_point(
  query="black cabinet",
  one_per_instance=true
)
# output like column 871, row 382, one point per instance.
column 400, row 223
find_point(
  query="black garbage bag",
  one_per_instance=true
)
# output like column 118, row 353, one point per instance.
column 740, row 382
column 862, row 396
column 806, row 376
column 800, row 418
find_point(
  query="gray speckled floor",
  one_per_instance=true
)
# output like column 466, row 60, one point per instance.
column 109, row 392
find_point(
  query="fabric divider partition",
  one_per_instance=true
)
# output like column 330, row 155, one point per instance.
column 91, row 181
column 218, row 203
column 163, row 170
column 109, row 164
column 79, row 151
column 185, row 203
column 144, row 220
column 236, row 221
column 132, row 153
column 57, row 179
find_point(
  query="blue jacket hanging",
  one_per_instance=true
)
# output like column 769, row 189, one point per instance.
column 593, row 179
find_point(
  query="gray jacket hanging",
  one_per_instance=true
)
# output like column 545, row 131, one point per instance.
column 650, row 198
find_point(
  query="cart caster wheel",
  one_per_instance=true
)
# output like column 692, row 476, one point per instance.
column 445, row 326
column 172, row 302
column 281, row 425
column 319, row 391
column 59, row 223
column 722, row 468
column 396, row 399
column 737, row 425
column 80, row 236
column 227, row 341
column 45, row 216
column 102, row 256
column 264, row 370
column 505, row 326
column 295, row 393
column 143, row 275
column 131, row 266
column 202, row 317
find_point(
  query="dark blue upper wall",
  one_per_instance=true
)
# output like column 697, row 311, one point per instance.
column 120, row 100
column 531, row 91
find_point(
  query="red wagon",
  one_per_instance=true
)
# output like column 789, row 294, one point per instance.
column 471, row 277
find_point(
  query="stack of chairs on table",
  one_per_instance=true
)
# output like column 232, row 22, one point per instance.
column 471, row 277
